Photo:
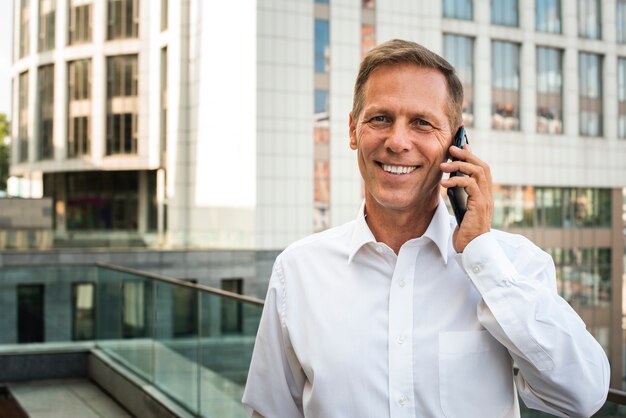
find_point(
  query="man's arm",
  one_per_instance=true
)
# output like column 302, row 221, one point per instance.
column 562, row 368
column 275, row 379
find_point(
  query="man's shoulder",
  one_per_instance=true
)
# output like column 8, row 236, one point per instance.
column 332, row 239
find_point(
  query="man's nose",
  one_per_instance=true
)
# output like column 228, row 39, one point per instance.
column 399, row 139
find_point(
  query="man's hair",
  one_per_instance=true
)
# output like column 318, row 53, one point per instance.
column 397, row 52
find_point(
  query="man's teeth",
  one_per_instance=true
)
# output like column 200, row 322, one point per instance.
column 398, row 169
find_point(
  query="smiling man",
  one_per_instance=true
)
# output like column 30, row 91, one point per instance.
column 403, row 313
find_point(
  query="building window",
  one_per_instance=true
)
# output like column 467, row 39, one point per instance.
column 548, row 16
column 232, row 309
column 621, row 95
column 134, row 309
column 123, row 19
column 505, row 12
column 79, row 109
column 164, row 14
column 84, row 321
column 368, row 26
column 80, row 22
column 185, row 310
column 458, row 9
column 24, row 28
column 549, row 90
column 621, row 21
column 459, row 51
column 22, row 132
column 321, row 127
column 46, row 24
column 122, row 105
column 583, row 275
column 505, row 86
column 589, row 19
column 45, row 117
column 590, row 94
column 30, row 313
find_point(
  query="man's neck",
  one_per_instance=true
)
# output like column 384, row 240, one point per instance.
column 394, row 228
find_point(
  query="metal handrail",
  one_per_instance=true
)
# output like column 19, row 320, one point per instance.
column 178, row 282
column 616, row 396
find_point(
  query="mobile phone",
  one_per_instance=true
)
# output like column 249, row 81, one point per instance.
column 458, row 195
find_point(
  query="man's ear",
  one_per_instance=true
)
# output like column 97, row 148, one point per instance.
column 352, row 124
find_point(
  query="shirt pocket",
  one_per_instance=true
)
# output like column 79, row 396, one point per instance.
column 475, row 375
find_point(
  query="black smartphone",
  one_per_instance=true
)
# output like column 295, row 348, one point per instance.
column 458, row 195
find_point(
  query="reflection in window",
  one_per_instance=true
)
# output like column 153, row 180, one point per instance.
column 22, row 129
column 459, row 51
column 528, row 206
column 589, row 19
column 621, row 96
column 24, row 28
column 583, row 275
column 321, row 127
column 505, row 12
column 45, row 115
column 368, row 26
column 46, row 24
column 548, row 16
column 79, row 108
column 549, row 90
column 458, row 9
column 185, row 311
column 80, row 22
column 620, row 22
column 322, row 45
column 133, row 310
column 505, row 86
column 231, row 309
column 590, row 94
column 83, row 311
column 122, row 105
column 123, row 19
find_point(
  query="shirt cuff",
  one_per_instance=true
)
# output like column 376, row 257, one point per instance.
column 486, row 264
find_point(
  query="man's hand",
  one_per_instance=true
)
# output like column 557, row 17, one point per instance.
column 478, row 186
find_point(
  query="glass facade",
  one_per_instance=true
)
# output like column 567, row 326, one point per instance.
column 22, row 121
column 122, row 105
column 79, row 22
column 458, row 9
column 79, row 108
column 505, row 12
column 621, row 97
column 551, row 207
column 459, row 51
column 321, row 124
column 589, row 19
column 45, row 117
column 590, row 94
column 548, row 16
column 583, row 275
column 47, row 15
column 123, row 19
column 505, row 79
column 549, row 90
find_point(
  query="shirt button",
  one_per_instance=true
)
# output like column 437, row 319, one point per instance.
column 401, row 339
column 476, row 268
column 401, row 283
column 379, row 249
column 402, row 400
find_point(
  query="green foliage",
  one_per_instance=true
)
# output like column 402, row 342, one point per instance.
column 4, row 151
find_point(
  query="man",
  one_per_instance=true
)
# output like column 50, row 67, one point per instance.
column 402, row 313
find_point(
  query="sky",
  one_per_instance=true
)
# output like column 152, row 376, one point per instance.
column 5, row 55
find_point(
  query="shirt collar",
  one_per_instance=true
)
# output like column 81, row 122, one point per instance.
column 438, row 232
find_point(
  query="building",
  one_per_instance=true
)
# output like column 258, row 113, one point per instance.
column 184, row 125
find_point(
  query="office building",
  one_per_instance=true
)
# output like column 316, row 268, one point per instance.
column 225, row 125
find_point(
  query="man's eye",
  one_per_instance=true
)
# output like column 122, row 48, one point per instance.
column 378, row 119
column 422, row 122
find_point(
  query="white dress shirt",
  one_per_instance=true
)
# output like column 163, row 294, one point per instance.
column 352, row 330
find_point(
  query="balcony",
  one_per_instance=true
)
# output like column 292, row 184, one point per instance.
column 158, row 346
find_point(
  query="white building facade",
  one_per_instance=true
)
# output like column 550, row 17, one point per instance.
column 193, row 124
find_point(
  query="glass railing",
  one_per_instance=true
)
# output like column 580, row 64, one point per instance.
column 191, row 342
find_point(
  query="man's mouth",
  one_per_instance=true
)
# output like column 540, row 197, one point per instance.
column 398, row 169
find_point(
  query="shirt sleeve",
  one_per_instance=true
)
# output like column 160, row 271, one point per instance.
column 275, row 380
column 563, row 370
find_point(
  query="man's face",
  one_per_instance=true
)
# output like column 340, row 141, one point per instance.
column 401, row 136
